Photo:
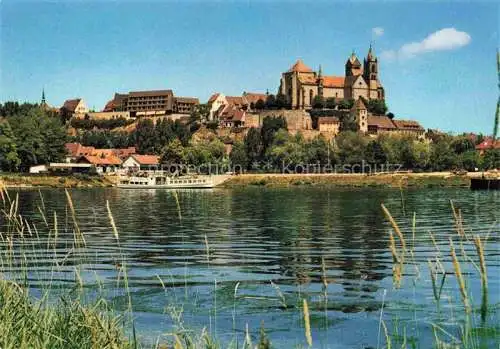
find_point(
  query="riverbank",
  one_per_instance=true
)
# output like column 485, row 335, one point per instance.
column 432, row 179
column 75, row 181
column 405, row 180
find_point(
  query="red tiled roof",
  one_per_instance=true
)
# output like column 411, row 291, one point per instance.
column 238, row 101
column 213, row 97
column 380, row 122
column 407, row 125
column 333, row 81
column 254, row 97
column 300, row 67
column 308, row 80
column 98, row 160
column 488, row 144
column 71, row 104
column 146, row 159
column 76, row 149
column 110, row 106
column 123, row 153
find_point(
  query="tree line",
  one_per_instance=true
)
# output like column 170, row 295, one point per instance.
column 30, row 135
column 273, row 148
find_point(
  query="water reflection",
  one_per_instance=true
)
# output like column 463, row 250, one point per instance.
column 252, row 236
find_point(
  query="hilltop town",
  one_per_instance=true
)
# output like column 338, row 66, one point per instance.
column 312, row 118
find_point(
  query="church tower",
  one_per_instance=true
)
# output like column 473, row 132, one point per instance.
column 43, row 102
column 352, row 66
column 370, row 74
column 370, row 71
column 320, row 82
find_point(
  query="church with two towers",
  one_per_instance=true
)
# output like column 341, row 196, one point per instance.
column 300, row 84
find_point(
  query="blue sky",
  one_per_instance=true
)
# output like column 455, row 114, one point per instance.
column 92, row 49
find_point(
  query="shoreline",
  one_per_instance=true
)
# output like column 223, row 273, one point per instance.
column 273, row 180
column 394, row 180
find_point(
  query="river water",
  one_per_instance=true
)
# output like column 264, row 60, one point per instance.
column 225, row 259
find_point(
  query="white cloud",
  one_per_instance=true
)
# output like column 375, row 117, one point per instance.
column 443, row 40
column 377, row 31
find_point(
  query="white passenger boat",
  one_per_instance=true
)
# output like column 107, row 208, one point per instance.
column 151, row 181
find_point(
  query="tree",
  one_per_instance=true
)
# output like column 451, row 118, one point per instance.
column 491, row 159
column 172, row 153
column 145, row 137
column 462, row 144
column 442, row 156
column 390, row 115
column 319, row 150
column 318, row 102
column 270, row 126
column 470, row 160
column 271, row 102
column 281, row 101
column 330, row 103
column 253, row 146
column 287, row 151
column 377, row 106
column 260, row 105
column 351, row 147
column 343, row 104
column 238, row 156
column 375, row 153
column 348, row 123
column 9, row 160
column 39, row 139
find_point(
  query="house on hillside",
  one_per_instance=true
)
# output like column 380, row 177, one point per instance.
column 329, row 124
column 232, row 116
column 138, row 162
column 110, row 164
column 73, row 106
column 409, row 127
column 380, row 124
column 75, row 151
column 215, row 102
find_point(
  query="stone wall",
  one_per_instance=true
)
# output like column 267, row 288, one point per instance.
column 297, row 120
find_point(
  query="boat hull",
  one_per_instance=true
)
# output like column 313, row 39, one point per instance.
column 165, row 186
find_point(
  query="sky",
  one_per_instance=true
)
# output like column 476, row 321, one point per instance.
column 436, row 59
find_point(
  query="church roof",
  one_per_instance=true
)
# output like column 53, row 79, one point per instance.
column 300, row 67
column 371, row 55
column 353, row 60
column 308, row 80
column 333, row 81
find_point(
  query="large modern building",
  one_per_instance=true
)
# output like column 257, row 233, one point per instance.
column 153, row 102
column 300, row 84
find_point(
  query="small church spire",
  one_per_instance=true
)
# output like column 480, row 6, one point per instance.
column 43, row 97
